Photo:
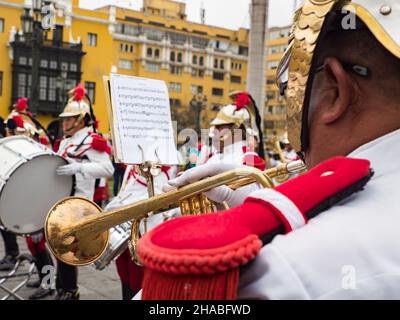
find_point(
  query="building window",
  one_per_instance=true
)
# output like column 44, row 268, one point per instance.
column 1, row 25
column 131, row 49
column 1, row 83
column 218, row 75
column 22, row 61
column 22, row 85
column 217, row 92
column 153, row 67
column 272, row 65
column 43, row 88
column 270, row 95
column 64, row 66
column 236, row 66
column 73, row 67
column 172, row 56
column 92, row 39
column 269, row 124
column 125, row 64
column 175, row 103
column 194, row 60
column 176, row 87
column 222, row 64
column 201, row 61
column 52, row 89
column 175, row 70
column 157, row 53
column 149, row 52
column 215, row 63
column 196, row 89
column 236, row 79
column 44, row 63
column 179, row 57
column 91, row 90
column 53, row 64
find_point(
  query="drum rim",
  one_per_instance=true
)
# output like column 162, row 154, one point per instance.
column 52, row 153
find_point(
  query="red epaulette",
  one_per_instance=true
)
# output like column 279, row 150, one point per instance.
column 100, row 144
column 252, row 159
column 19, row 121
column 56, row 145
column 44, row 141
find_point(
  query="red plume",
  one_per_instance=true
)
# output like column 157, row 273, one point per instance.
column 18, row 121
column 44, row 141
column 22, row 104
column 79, row 92
column 242, row 100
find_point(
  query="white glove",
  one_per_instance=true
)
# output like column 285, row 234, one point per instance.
column 69, row 169
column 220, row 194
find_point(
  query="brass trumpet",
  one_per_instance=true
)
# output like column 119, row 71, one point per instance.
column 77, row 231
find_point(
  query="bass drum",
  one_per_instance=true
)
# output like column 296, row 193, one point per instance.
column 29, row 185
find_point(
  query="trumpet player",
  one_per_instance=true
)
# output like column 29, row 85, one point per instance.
column 88, row 156
column 134, row 189
column 342, row 89
column 236, row 134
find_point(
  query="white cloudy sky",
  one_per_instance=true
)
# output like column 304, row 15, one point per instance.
column 231, row 14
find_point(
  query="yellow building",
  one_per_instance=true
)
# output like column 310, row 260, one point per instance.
column 275, row 115
column 201, row 64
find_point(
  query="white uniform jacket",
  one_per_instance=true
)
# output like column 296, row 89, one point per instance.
column 96, row 164
column 134, row 189
column 233, row 154
column 351, row 251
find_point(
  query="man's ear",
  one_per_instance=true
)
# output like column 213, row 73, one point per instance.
column 343, row 87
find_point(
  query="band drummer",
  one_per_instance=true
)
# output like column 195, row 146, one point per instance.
column 89, row 157
column 134, row 189
column 21, row 122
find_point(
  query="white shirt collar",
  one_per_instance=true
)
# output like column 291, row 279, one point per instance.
column 81, row 133
column 383, row 152
column 234, row 148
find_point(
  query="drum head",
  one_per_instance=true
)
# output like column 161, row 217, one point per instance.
column 30, row 193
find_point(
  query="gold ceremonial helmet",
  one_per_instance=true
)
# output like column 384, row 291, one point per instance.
column 78, row 104
column 294, row 74
column 22, row 122
column 242, row 112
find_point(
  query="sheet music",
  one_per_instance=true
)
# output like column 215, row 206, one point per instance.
column 141, row 116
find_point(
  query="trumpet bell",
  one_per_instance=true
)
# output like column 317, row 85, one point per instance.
column 69, row 244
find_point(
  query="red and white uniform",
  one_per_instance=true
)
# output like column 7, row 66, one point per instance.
column 83, row 147
column 348, row 252
column 134, row 189
column 239, row 154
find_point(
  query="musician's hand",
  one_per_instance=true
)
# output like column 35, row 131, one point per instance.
column 220, row 194
column 69, row 169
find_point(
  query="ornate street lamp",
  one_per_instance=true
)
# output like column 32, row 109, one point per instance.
column 37, row 6
column 27, row 22
column 33, row 34
column 198, row 103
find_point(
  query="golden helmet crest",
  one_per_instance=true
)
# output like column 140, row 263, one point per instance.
column 380, row 17
column 242, row 112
